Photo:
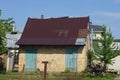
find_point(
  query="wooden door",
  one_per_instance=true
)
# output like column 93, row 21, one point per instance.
column 71, row 59
column 30, row 60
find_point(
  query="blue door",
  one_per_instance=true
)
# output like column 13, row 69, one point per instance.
column 30, row 60
column 71, row 59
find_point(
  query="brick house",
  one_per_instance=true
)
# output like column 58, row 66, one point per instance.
column 63, row 42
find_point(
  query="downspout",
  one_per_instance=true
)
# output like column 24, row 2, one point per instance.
column 91, row 39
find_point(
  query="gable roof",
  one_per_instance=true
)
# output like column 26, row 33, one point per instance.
column 116, row 40
column 54, row 31
column 96, row 28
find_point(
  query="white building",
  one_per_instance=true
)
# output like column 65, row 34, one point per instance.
column 13, row 49
column 96, row 34
column 116, row 60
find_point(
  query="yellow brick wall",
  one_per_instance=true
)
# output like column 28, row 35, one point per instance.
column 56, row 56
column 82, row 59
column 4, row 60
column 21, row 60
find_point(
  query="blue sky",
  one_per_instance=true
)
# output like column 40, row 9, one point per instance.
column 100, row 11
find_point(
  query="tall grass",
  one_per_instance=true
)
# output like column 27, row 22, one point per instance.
column 55, row 76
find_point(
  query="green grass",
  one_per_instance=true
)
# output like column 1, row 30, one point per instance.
column 107, row 77
column 55, row 76
column 19, row 76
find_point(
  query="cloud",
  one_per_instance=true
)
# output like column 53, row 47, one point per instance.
column 107, row 14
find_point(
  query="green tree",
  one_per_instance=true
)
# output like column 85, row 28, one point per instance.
column 90, row 56
column 105, row 50
column 5, row 26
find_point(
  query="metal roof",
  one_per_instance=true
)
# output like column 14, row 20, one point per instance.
column 116, row 40
column 12, row 38
column 96, row 28
column 54, row 31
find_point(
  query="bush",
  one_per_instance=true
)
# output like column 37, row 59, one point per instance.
column 96, row 69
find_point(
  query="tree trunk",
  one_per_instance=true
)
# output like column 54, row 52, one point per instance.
column 105, row 68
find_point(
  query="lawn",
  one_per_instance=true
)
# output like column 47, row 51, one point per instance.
column 55, row 76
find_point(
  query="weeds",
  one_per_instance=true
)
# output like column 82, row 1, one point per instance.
column 56, row 76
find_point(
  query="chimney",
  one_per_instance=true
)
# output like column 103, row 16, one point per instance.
column 13, row 28
column 42, row 16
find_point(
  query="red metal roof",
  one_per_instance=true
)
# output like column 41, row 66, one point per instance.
column 54, row 31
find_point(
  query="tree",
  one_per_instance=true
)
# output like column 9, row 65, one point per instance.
column 91, row 57
column 105, row 50
column 5, row 26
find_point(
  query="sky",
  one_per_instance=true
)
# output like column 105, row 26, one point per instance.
column 101, row 12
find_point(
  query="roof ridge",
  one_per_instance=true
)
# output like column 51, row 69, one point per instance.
column 64, row 17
